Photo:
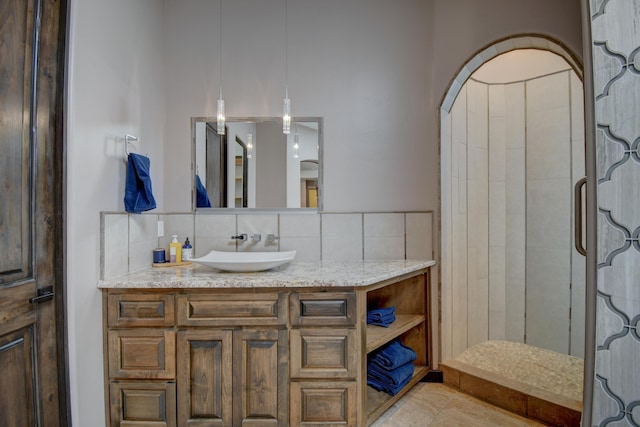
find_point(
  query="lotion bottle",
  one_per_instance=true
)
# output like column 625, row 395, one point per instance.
column 187, row 250
column 175, row 250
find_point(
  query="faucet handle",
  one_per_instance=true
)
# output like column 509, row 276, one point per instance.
column 271, row 238
column 256, row 237
column 241, row 237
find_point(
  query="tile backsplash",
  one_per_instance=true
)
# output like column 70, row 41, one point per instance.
column 128, row 240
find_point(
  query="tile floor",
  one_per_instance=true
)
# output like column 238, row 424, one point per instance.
column 433, row 405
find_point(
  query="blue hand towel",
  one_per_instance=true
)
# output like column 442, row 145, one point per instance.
column 393, row 355
column 138, row 196
column 202, row 198
column 391, row 382
column 381, row 316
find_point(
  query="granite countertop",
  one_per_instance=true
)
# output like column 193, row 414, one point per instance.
column 293, row 275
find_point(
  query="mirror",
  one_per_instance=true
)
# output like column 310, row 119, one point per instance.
column 255, row 165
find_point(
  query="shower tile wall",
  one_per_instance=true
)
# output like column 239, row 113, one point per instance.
column 515, row 212
column 511, row 200
column 478, row 211
column 459, row 274
column 549, row 193
column 616, row 65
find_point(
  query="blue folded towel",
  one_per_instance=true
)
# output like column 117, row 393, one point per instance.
column 381, row 316
column 138, row 196
column 393, row 355
column 391, row 382
column 202, row 198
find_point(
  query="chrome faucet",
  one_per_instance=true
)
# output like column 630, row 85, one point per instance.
column 271, row 239
column 256, row 238
column 241, row 237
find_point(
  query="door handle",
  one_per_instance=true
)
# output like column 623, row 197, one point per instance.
column 577, row 216
column 44, row 294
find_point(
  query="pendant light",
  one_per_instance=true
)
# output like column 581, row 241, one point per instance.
column 296, row 142
column 249, row 146
column 286, row 107
column 220, row 116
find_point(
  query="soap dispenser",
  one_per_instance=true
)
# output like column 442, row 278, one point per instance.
column 175, row 250
column 187, row 250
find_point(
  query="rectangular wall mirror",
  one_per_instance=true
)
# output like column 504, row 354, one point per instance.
column 255, row 165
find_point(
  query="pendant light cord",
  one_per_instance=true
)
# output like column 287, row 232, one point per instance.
column 220, row 50
column 286, row 44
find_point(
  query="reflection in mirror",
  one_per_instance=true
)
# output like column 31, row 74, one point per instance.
column 241, row 173
column 309, row 183
column 255, row 165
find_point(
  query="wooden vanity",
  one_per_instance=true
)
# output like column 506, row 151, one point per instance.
column 196, row 347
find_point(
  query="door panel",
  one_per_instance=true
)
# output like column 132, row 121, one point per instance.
column 32, row 69
column 260, row 378
column 17, row 405
column 204, row 378
column 16, row 29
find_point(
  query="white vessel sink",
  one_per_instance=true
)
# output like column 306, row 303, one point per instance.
column 245, row 261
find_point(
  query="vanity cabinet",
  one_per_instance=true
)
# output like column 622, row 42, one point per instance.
column 256, row 357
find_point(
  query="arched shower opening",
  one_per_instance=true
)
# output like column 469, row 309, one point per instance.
column 512, row 149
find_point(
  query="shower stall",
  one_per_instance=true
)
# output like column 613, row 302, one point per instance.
column 512, row 146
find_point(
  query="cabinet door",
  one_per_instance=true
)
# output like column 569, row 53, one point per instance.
column 260, row 386
column 323, row 403
column 204, row 378
column 142, row 354
column 323, row 353
column 143, row 404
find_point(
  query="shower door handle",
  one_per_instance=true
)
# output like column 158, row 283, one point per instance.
column 577, row 216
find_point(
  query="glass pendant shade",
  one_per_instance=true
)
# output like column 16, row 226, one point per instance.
column 221, row 118
column 286, row 116
column 296, row 145
column 249, row 146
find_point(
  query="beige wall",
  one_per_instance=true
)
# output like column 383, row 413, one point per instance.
column 376, row 70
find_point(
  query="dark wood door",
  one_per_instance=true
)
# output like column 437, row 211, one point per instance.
column 32, row 374
column 260, row 386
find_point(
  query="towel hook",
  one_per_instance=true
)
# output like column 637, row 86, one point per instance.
column 128, row 139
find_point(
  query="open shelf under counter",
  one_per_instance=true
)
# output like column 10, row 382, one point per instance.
column 379, row 401
column 379, row 335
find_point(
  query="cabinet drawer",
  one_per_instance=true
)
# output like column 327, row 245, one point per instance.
column 323, row 353
column 323, row 403
column 323, row 309
column 145, row 404
column 232, row 310
column 127, row 310
column 142, row 354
